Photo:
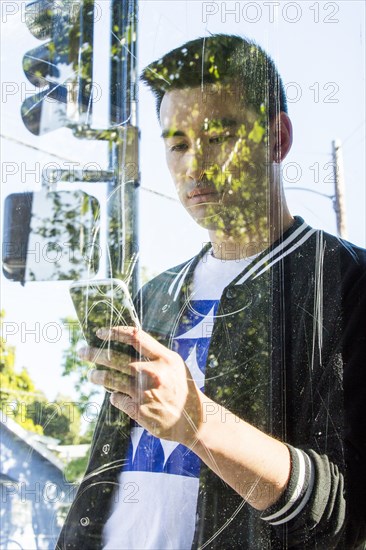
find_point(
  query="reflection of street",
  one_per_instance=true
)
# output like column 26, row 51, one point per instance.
column 16, row 523
column 9, row 544
column 33, row 490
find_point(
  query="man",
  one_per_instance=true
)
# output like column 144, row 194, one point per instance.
column 241, row 426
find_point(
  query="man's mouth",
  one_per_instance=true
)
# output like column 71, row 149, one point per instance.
column 201, row 194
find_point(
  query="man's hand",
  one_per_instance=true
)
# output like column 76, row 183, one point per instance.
column 162, row 397
column 158, row 393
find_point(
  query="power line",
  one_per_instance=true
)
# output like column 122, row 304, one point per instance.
column 18, row 142
column 160, row 194
column 309, row 191
column 353, row 132
column 65, row 159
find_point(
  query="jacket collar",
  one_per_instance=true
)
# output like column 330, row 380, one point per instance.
column 291, row 239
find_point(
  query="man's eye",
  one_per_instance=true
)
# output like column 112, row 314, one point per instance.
column 178, row 147
column 219, row 139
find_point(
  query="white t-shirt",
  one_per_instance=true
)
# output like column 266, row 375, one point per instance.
column 155, row 507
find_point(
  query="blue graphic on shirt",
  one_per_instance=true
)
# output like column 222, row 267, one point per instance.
column 147, row 453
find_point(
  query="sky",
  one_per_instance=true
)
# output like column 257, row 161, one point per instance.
column 319, row 50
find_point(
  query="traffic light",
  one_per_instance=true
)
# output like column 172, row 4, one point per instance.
column 85, row 78
column 50, row 236
column 60, row 68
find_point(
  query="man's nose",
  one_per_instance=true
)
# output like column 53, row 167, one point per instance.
column 196, row 164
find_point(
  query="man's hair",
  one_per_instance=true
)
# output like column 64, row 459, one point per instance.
column 219, row 59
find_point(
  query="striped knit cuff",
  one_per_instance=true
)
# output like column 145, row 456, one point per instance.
column 298, row 490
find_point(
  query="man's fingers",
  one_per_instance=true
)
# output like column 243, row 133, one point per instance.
column 137, row 386
column 125, row 403
column 107, row 358
column 145, row 344
column 114, row 381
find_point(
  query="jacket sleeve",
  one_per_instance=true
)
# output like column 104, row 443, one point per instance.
column 324, row 505
column 354, row 347
column 311, row 512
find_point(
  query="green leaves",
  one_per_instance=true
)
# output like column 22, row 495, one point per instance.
column 257, row 132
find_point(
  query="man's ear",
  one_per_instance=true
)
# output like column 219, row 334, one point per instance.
column 282, row 134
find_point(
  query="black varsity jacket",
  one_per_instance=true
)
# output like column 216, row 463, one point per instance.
column 287, row 354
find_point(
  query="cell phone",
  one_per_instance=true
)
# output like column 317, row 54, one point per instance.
column 104, row 303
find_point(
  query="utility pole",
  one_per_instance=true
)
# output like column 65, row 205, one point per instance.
column 339, row 188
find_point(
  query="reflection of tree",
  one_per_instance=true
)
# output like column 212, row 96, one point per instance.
column 225, row 71
column 59, row 419
column 62, row 66
column 241, row 173
column 218, row 125
column 123, row 55
column 219, row 60
column 232, row 160
column 73, row 366
column 15, row 398
column 17, row 389
column 70, row 234
column 240, row 379
column 20, row 399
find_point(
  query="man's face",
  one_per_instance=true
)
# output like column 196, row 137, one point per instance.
column 217, row 153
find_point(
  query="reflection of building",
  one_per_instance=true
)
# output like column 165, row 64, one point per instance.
column 34, row 494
